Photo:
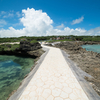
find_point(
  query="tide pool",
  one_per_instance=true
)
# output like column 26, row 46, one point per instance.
column 12, row 72
column 94, row 48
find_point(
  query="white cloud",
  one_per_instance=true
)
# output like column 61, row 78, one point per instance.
column 60, row 26
column 3, row 12
column 17, row 24
column 11, row 32
column 35, row 22
column 8, row 15
column 77, row 31
column 2, row 22
column 77, row 21
column 18, row 14
column 38, row 23
column 67, row 31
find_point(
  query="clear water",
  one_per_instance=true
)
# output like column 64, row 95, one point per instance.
column 12, row 72
column 94, row 48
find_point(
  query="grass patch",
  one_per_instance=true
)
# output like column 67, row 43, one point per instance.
column 33, row 41
column 15, row 46
column 9, row 47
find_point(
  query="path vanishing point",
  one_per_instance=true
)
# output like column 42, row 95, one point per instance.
column 54, row 80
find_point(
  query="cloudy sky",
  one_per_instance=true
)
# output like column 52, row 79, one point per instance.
column 49, row 17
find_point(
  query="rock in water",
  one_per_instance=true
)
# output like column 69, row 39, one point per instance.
column 27, row 46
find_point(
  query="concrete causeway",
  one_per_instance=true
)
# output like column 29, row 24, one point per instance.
column 54, row 80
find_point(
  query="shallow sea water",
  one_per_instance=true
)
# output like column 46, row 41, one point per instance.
column 94, row 48
column 12, row 72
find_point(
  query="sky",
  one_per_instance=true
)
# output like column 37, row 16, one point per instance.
column 49, row 17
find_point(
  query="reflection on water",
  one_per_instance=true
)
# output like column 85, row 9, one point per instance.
column 12, row 72
column 94, row 48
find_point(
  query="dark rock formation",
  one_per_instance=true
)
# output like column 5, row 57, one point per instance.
column 26, row 49
column 27, row 46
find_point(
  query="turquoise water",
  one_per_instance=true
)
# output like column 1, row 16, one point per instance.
column 12, row 72
column 94, row 48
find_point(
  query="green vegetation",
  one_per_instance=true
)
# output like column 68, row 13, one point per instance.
column 86, row 38
column 13, row 47
column 9, row 47
column 2, row 40
column 51, row 38
column 33, row 41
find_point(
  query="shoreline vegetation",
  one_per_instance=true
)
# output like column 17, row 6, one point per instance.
column 51, row 38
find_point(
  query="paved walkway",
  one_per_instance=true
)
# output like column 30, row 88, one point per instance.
column 53, row 80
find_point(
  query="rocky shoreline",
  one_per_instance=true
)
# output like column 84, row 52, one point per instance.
column 26, row 49
column 88, row 61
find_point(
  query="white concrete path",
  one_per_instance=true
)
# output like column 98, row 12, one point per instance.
column 54, row 80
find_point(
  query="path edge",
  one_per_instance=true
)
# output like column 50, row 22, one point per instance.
column 25, row 82
column 79, row 74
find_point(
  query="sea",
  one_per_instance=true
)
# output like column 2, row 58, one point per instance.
column 94, row 48
column 12, row 71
